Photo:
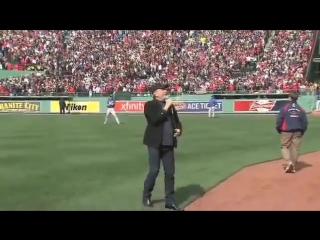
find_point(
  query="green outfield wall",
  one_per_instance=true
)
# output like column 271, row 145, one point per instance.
column 184, row 104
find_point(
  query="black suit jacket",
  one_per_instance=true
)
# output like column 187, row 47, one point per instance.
column 62, row 103
column 156, row 117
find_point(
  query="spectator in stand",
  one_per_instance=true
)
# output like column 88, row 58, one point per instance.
column 99, row 61
column 285, row 61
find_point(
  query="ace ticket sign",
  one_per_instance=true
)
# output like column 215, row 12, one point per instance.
column 196, row 106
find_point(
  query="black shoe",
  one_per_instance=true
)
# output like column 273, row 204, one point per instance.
column 147, row 202
column 173, row 207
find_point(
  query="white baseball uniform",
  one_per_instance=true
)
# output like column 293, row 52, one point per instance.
column 110, row 110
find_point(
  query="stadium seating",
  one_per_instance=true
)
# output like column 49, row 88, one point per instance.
column 193, row 61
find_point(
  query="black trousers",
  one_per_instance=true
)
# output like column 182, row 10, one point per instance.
column 166, row 154
column 62, row 110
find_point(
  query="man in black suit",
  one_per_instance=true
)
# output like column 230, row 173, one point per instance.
column 62, row 105
column 163, row 128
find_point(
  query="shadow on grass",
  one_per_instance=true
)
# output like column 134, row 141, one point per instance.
column 185, row 194
column 190, row 192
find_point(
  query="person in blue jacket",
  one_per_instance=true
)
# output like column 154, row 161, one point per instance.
column 212, row 106
column 292, row 123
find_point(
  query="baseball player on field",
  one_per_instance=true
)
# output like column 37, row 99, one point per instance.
column 212, row 106
column 110, row 109
column 318, row 102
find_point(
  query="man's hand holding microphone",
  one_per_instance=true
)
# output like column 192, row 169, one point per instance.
column 167, row 106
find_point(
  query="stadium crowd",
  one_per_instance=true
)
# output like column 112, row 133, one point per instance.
column 95, row 61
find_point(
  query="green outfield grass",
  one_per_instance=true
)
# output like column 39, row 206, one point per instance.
column 77, row 163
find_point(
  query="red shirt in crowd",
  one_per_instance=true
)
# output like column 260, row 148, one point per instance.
column 71, row 89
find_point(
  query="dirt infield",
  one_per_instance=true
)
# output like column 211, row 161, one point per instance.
column 316, row 113
column 266, row 187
